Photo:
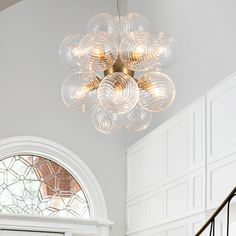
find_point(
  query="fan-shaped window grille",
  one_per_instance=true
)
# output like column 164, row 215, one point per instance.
column 34, row 185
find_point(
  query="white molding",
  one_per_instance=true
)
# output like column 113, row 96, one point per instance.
column 185, row 181
column 210, row 145
column 194, row 117
column 50, row 224
column 71, row 162
column 217, row 92
column 188, row 221
column 190, row 194
column 223, row 183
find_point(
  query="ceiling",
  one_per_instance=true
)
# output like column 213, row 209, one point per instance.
column 206, row 45
column 206, row 37
column 7, row 3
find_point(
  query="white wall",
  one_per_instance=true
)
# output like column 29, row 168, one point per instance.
column 184, row 168
column 166, row 176
column 30, row 80
column 206, row 35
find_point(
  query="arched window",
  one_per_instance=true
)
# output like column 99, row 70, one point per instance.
column 41, row 180
column 35, row 185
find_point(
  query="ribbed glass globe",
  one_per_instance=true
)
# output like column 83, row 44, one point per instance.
column 99, row 51
column 167, row 50
column 119, row 25
column 157, row 91
column 105, row 121
column 139, row 51
column 134, row 22
column 118, row 93
column 103, row 22
column 137, row 119
column 69, row 51
column 79, row 90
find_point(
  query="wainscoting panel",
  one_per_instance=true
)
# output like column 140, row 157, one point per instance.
column 136, row 214
column 185, row 167
column 184, row 227
column 183, row 231
column 136, row 170
column 177, row 199
column 221, row 117
column 155, row 158
column 221, row 180
column 178, row 147
column 166, row 172
column 155, row 208
column 172, row 151
column 221, row 141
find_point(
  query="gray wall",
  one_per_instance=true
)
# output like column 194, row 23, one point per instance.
column 30, row 80
column 206, row 34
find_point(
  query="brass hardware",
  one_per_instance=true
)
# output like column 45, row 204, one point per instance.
column 119, row 67
column 92, row 85
column 143, row 84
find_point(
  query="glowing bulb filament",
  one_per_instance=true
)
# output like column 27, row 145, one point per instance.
column 118, row 92
column 138, row 54
column 99, row 54
column 81, row 93
column 158, row 92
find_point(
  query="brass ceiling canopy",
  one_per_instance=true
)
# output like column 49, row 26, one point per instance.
column 119, row 67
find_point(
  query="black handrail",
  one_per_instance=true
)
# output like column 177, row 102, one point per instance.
column 211, row 220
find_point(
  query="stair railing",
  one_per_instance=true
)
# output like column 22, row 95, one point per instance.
column 211, row 221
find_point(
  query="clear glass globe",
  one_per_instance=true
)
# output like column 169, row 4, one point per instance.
column 118, row 93
column 79, row 90
column 99, row 51
column 167, row 50
column 119, row 25
column 134, row 22
column 156, row 91
column 139, row 51
column 137, row 119
column 69, row 51
column 105, row 121
column 103, row 22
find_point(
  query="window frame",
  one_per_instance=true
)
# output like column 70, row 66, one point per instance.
column 99, row 224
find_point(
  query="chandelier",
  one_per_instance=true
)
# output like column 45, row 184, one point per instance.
column 118, row 72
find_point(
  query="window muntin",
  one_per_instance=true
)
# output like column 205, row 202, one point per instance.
column 34, row 185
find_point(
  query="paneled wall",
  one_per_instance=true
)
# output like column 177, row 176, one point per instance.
column 184, row 167
column 221, row 145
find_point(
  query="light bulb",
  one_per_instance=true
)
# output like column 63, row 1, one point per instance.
column 137, row 119
column 105, row 121
column 79, row 90
column 133, row 22
column 103, row 23
column 139, row 51
column 118, row 93
column 157, row 91
column 167, row 50
column 99, row 51
column 69, row 51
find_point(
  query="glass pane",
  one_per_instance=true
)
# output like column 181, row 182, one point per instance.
column 34, row 185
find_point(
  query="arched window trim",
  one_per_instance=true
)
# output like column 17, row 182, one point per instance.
column 39, row 146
